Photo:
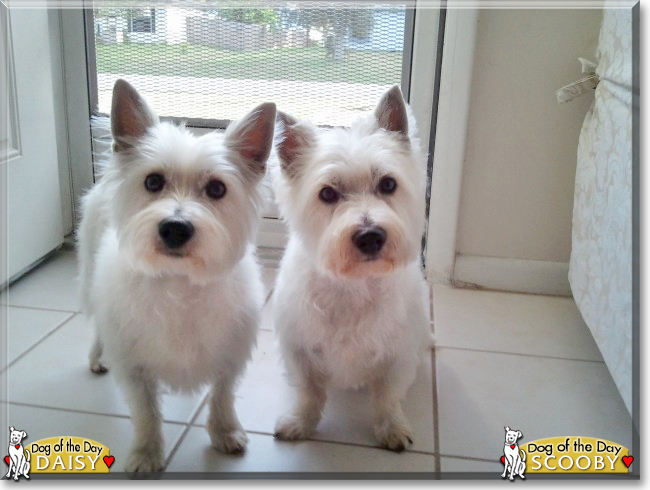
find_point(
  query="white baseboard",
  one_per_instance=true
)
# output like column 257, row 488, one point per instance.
column 517, row 275
column 271, row 233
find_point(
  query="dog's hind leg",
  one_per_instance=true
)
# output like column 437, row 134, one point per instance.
column 26, row 465
column 226, row 433
column 97, row 366
column 302, row 422
column 141, row 391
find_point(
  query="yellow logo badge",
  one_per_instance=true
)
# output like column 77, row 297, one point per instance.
column 576, row 454
column 69, row 455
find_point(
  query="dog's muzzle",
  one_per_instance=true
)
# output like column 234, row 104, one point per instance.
column 175, row 232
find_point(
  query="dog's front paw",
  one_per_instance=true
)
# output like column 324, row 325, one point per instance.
column 293, row 428
column 144, row 460
column 98, row 367
column 394, row 437
column 233, row 442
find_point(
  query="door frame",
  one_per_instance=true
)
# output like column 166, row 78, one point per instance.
column 272, row 232
column 461, row 25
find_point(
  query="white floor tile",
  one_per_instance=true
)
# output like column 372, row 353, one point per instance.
column 515, row 323
column 26, row 326
column 458, row 465
column 114, row 432
column 56, row 374
column 265, row 454
column 51, row 285
column 348, row 414
column 269, row 257
column 266, row 319
column 268, row 277
column 479, row 393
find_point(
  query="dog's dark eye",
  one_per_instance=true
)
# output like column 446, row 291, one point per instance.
column 387, row 185
column 154, row 182
column 215, row 189
column 329, row 195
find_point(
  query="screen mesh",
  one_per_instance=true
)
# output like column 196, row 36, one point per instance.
column 203, row 61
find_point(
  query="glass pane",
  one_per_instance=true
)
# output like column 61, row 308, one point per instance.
column 207, row 62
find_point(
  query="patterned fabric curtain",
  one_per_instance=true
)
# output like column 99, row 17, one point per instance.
column 600, row 270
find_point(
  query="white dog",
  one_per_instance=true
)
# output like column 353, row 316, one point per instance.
column 514, row 457
column 18, row 455
column 351, row 303
column 167, row 265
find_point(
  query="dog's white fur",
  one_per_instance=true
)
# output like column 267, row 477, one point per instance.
column 18, row 456
column 515, row 457
column 183, row 317
column 343, row 319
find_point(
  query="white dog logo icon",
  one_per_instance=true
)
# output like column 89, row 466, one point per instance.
column 513, row 458
column 18, row 458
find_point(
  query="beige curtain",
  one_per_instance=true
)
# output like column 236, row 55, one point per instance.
column 601, row 259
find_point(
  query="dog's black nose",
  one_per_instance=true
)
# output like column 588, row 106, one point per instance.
column 370, row 240
column 175, row 232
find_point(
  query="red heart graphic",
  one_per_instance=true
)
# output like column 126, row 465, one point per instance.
column 109, row 460
column 17, row 446
column 503, row 459
column 7, row 459
column 627, row 460
column 512, row 446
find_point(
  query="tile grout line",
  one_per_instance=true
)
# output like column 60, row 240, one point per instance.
column 188, row 426
column 434, row 393
column 82, row 412
column 434, row 388
column 39, row 308
column 191, row 424
column 538, row 356
column 39, row 341
column 468, row 458
column 268, row 297
column 329, row 441
column 343, row 443
column 73, row 410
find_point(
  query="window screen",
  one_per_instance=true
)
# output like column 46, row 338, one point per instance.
column 210, row 63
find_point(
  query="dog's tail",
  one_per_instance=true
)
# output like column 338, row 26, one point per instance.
column 27, row 455
column 523, row 454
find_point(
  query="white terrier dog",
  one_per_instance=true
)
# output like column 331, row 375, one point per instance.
column 351, row 303
column 167, row 265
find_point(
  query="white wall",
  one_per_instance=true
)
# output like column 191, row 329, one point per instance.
column 520, row 158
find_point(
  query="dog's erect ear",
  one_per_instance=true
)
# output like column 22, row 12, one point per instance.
column 292, row 138
column 11, row 429
column 391, row 112
column 519, row 434
column 252, row 136
column 507, row 428
column 131, row 117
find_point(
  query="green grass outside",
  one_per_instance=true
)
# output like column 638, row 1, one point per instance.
column 301, row 64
